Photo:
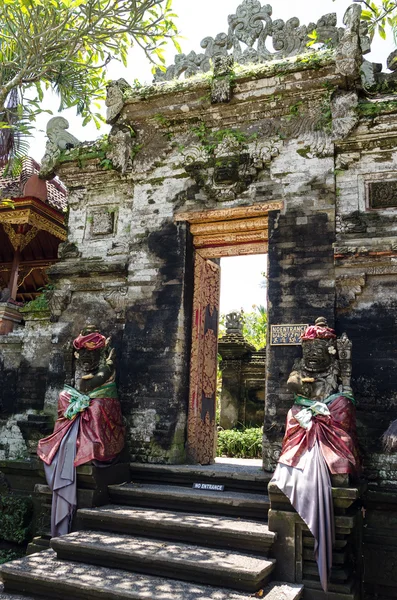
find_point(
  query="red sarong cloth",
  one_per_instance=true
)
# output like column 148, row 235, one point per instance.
column 101, row 431
column 335, row 434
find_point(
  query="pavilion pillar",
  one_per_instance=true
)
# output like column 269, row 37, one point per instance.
column 13, row 281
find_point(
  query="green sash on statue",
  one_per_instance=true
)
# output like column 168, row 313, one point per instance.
column 79, row 402
column 303, row 401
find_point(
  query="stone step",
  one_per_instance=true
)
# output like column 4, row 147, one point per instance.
column 238, row 504
column 235, row 474
column 43, row 574
column 192, row 563
column 208, row 530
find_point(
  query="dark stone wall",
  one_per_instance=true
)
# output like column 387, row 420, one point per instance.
column 301, row 288
column 8, row 389
column 154, row 366
column 373, row 331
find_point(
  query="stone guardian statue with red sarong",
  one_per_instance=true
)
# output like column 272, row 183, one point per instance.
column 320, row 437
column 89, row 425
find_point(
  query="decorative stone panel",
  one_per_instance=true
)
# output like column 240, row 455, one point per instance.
column 382, row 194
column 101, row 222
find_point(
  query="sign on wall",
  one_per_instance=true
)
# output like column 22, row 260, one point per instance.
column 286, row 335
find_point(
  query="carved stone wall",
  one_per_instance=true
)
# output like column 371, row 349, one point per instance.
column 365, row 267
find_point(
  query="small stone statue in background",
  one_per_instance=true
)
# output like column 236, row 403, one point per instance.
column 89, row 425
column 234, row 323
column 320, row 437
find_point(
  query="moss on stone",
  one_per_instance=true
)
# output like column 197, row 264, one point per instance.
column 376, row 108
column 315, row 59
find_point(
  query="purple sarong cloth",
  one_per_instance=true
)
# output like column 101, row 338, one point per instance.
column 61, row 478
column 308, row 488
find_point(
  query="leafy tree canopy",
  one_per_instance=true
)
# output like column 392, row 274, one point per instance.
column 379, row 15
column 65, row 45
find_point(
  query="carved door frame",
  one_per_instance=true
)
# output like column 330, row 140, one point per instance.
column 216, row 233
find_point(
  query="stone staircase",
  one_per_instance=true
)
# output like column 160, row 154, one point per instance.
column 160, row 539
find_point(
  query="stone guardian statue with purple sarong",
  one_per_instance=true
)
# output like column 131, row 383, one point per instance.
column 320, row 437
column 89, row 425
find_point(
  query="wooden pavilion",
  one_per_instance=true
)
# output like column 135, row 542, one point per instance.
column 31, row 230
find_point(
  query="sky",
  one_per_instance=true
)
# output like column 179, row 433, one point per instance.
column 241, row 276
column 242, row 283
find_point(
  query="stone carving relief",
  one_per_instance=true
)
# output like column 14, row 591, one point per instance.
column 344, row 113
column 58, row 139
column 354, row 42
column 230, row 169
column 115, row 98
column 58, row 301
column 234, row 323
column 252, row 30
column 68, row 250
column 102, row 222
column 351, row 223
column 120, row 145
column 118, row 299
column 348, row 287
column 221, row 87
column 382, row 194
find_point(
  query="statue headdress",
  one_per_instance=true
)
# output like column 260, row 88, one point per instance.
column 89, row 339
column 319, row 330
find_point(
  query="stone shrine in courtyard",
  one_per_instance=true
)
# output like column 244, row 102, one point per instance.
column 257, row 144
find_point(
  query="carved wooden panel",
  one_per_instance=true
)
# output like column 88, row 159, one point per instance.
column 201, row 434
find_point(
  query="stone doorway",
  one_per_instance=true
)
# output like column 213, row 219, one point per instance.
column 216, row 234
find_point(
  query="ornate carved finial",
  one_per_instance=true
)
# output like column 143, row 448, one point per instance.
column 344, row 346
column 58, row 139
column 234, row 323
column 250, row 29
column 349, row 54
column 115, row 98
column 57, row 134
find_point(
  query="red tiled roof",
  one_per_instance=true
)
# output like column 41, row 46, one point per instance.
column 12, row 187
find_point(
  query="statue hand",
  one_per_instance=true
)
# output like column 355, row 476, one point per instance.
column 89, row 376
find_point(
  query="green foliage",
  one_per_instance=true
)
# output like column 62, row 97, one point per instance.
column 240, row 443
column 66, row 45
column 15, row 518
column 295, row 110
column 374, row 109
column 7, row 555
column 210, row 140
column 379, row 15
column 255, row 327
column 41, row 302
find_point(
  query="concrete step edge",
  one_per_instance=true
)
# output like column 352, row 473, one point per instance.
column 187, row 562
column 44, row 575
column 208, row 530
column 175, row 519
column 175, row 490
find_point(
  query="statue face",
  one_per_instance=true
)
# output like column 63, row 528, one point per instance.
column 89, row 360
column 315, row 355
column 226, row 172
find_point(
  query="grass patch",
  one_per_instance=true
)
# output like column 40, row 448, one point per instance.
column 240, row 443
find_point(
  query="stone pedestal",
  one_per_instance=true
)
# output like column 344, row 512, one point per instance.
column 9, row 317
column 294, row 546
column 92, row 490
column 243, row 382
column 233, row 348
